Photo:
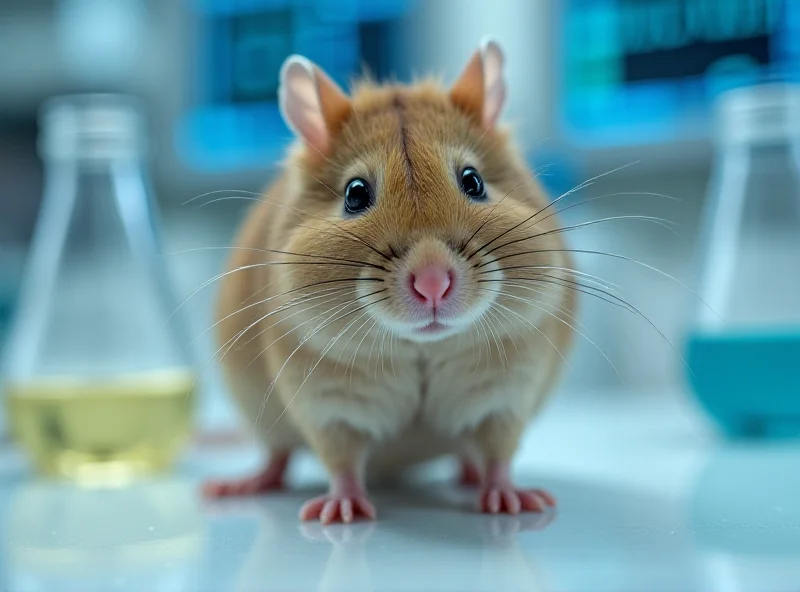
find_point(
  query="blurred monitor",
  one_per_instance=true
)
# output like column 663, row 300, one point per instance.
column 639, row 72
column 234, row 122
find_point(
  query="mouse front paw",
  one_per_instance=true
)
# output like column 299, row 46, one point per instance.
column 338, row 508
column 346, row 501
column 504, row 498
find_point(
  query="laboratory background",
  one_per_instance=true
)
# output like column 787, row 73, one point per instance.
column 134, row 135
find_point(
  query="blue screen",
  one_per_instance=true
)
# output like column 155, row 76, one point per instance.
column 235, row 122
column 647, row 71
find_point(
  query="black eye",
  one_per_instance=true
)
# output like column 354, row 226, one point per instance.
column 357, row 196
column 472, row 184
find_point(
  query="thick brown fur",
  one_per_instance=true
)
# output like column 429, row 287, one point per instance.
column 377, row 396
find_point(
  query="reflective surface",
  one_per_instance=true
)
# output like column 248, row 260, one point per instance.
column 648, row 500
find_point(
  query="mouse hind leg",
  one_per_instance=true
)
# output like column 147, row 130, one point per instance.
column 269, row 478
column 280, row 440
column 470, row 472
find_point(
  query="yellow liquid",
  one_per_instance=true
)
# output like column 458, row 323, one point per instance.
column 102, row 430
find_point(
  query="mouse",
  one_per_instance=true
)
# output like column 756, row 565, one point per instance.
column 399, row 293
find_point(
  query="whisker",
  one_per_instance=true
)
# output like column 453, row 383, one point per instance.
column 556, row 281
column 344, row 348
column 391, row 352
column 322, row 356
column 472, row 333
column 655, row 220
column 536, row 304
column 381, row 331
column 494, row 306
column 606, row 196
column 381, row 351
column 326, row 258
column 352, row 363
column 289, row 305
column 293, row 210
column 336, row 165
column 318, row 180
column 498, row 341
column 599, row 197
column 267, row 199
column 538, row 330
column 326, row 299
column 330, row 320
column 227, row 273
column 486, row 219
column 379, row 252
column 541, row 290
column 588, row 276
column 626, row 305
column 262, row 289
column 578, row 187
column 494, row 323
column 207, row 193
column 268, row 299
column 488, row 215
column 372, row 349
column 488, row 342
column 335, row 309
column 630, row 260
column 567, row 314
column 233, row 340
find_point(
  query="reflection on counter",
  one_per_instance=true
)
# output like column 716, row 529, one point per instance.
column 61, row 537
column 744, row 516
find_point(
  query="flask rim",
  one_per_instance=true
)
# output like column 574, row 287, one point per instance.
column 761, row 113
column 93, row 126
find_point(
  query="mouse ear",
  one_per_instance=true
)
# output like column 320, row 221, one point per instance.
column 312, row 105
column 481, row 88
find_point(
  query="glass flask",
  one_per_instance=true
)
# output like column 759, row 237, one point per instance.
column 97, row 378
column 744, row 345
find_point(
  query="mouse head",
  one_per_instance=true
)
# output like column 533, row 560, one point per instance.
column 416, row 197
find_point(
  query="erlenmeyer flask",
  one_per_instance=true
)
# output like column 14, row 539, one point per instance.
column 744, row 347
column 97, row 376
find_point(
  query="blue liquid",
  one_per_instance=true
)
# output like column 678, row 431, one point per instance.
column 748, row 382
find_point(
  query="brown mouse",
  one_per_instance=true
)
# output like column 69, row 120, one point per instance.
column 400, row 292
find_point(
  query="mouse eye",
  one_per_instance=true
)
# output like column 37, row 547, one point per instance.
column 472, row 184
column 357, row 196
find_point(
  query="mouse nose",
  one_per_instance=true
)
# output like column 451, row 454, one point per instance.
column 431, row 284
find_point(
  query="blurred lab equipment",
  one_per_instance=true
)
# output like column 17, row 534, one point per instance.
column 744, row 346
column 98, row 378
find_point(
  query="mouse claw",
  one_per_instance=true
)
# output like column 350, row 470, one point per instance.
column 337, row 508
column 346, row 501
column 270, row 478
column 507, row 499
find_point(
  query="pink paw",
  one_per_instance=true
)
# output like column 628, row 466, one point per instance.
column 240, row 487
column 338, row 508
column 269, row 479
column 470, row 474
column 507, row 499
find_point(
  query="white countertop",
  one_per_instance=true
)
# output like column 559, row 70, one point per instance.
column 649, row 500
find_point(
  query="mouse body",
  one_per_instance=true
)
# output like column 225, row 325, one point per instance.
column 401, row 291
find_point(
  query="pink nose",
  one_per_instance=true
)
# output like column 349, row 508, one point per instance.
column 431, row 284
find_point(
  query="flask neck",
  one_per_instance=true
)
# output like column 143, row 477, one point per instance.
column 91, row 130
column 760, row 115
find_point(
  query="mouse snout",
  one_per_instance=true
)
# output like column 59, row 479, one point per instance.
column 431, row 284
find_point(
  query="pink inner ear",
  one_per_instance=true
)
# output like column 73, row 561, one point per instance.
column 301, row 106
column 494, row 93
